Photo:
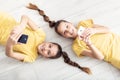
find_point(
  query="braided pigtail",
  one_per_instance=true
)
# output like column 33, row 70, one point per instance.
column 41, row 12
column 68, row 61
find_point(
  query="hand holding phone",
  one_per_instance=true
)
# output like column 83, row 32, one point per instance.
column 23, row 38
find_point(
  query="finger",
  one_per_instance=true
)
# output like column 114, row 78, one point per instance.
column 13, row 32
column 79, row 37
column 19, row 43
column 87, row 39
column 88, row 31
column 85, row 31
column 84, row 39
column 12, row 37
column 85, row 34
column 15, row 37
column 18, row 36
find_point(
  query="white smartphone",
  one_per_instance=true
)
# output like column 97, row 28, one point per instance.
column 81, row 30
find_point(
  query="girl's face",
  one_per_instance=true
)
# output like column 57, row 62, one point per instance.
column 67, row 30
column 47, row 49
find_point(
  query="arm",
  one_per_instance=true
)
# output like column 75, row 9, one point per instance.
column 94, row 30
column 25, row 20
column 100, row 29
column 15, row 35
column 12, row 40
column 11, row 53
column 93, row 52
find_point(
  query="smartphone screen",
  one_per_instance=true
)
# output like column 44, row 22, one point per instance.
column 81, row 30
column 23, row 38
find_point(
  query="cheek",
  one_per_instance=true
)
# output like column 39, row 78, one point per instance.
column 68, row 35
column 43, row 54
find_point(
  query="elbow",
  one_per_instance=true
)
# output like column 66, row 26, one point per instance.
column 100, row 58
column 9, row 54
column 108, row 29
column 24, row 16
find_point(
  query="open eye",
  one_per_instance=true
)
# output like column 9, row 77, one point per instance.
column 65, row 31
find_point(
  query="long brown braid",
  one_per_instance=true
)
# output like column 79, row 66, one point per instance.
column 46, row 18
column 68, row 61
column 41, row 12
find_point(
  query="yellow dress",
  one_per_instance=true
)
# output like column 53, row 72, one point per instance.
column 7, row 23
column 108, row 44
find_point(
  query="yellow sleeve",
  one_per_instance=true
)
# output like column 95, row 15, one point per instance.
column 86, row 23
column 78, row 47
column 28, row 59
column 41, row 34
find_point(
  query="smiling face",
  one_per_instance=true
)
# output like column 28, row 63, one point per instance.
column 48, row 49
column 67, row 30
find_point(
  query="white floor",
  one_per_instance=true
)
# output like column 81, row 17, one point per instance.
column 104, row 12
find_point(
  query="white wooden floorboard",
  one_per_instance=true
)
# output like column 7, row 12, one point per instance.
column 104, row 12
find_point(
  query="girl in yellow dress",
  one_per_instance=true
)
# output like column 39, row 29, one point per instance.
column 96, row 41
column 11, row 31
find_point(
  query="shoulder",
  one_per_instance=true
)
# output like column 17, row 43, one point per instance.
column 40, row 32
column 86, row 23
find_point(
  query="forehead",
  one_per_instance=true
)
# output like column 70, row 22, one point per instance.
column 61, row 26
column 54, row 49
column 54, row 46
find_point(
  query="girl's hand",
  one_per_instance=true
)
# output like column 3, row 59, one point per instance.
column 85, row 39
column 15, row 35
column 88, row 32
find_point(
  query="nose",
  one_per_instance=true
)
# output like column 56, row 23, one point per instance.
column 68, row 30
column 45, row 50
